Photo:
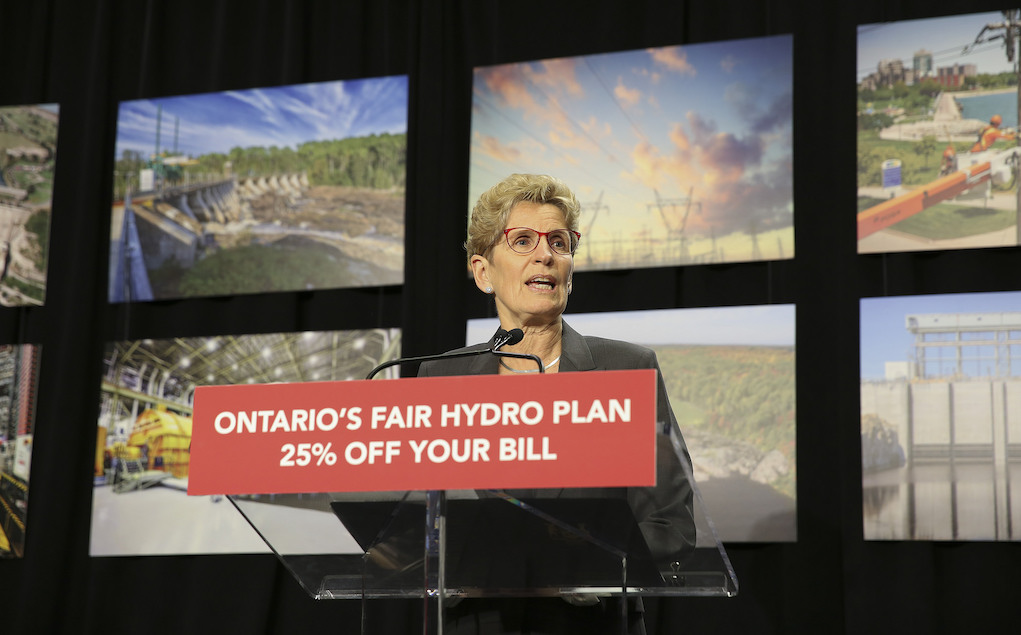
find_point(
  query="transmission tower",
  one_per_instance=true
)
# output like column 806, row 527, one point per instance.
column 660, row 204
column 595, row 208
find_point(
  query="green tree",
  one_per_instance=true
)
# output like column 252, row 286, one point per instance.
column 39, row 225
column 929, row 87
column 924, row 148
column 876, row 121
column 869, row 167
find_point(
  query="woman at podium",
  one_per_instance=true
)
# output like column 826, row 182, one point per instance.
column 521, row 241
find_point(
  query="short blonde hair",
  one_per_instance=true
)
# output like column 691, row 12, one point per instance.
column 488, row 217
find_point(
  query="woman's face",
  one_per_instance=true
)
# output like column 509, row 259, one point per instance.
column 530, row 289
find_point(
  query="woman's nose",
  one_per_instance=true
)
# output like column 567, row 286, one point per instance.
column 544, row 252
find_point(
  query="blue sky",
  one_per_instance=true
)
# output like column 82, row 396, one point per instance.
column 281, row 116
column 761, row 325
column 944, row 37
column 884, row 336
column 712, row 119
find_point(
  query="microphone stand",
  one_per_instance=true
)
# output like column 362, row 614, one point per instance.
column 436, row 500
column 502, row 337
column 534, row 358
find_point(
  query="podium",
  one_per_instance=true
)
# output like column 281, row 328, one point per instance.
column 583, row 539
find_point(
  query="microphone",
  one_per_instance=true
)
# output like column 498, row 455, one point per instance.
column 510, row 338
column 502, row 338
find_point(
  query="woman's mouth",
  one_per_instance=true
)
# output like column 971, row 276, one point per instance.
column 541, row 283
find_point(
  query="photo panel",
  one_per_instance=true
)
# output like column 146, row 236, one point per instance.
column 941, row 417
column 679, row 155
column 937, row 135
column 272, row 189
column 140, row 504
column 28, row 155
column 730, row 376
column 19, row 381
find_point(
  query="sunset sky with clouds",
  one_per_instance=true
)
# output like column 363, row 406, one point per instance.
column 711, row 119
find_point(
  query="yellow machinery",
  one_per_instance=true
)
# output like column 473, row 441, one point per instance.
column 163, row 438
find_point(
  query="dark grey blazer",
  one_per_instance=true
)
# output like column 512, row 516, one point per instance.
column 664, row 512
column 579, row 352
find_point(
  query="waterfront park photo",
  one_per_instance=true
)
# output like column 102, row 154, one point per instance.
column 937, row 143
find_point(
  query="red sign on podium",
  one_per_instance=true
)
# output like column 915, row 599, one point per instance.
column 592, row 429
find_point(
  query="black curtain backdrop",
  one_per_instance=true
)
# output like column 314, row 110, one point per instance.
column 87, row 55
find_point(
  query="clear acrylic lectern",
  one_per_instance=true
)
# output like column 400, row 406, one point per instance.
column 441, row 547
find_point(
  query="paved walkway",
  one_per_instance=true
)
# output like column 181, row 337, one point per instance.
column 946, row 124
column 947, row 108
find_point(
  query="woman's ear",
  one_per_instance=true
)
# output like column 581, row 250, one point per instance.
column 480, row 271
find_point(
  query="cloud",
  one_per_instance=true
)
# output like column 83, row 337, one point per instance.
column 258, row 101
column 777, row 114
column 723, row 156
column 536, row 91
column 673, row 58
column 734, row 189
column 557, row 75
column 728, row 63
column 651, row 76
column 568, row 138
column 596, row 128
column 761, row 202
column 761, row 117
column 507, row 83
column 679, row 138
column 491, row 146
column 628, row 97
column 655, row 170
